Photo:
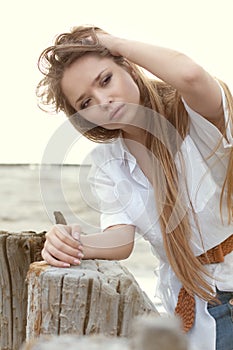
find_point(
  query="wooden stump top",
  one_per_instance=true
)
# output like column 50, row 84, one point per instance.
column 99, row 296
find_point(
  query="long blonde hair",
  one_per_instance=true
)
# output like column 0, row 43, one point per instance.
column 159, row 97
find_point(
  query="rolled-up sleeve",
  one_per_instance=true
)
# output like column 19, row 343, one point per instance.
column 106, row 195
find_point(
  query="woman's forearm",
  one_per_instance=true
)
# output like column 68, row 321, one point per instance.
column 112, row 244
column 166, row 64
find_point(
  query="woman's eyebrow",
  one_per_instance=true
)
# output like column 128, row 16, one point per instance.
column 94, row 81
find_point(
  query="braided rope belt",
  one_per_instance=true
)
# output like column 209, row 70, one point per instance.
column 185, row 307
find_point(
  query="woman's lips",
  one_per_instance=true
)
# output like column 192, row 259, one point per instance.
column 116, row 111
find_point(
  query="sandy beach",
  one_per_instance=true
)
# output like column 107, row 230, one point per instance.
column 29, row 195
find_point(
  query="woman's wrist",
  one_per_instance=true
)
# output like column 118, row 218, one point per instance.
column 121, row 48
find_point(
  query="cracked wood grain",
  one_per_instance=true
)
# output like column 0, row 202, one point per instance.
column 17, row 251
column 97, row 297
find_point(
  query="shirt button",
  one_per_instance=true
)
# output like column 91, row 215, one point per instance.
column 231, row 301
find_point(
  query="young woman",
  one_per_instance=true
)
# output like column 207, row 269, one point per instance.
column 164, row 169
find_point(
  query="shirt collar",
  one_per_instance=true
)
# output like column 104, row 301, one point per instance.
column 126, row 157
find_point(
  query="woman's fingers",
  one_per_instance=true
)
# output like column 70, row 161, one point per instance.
column 61, row 248
column 50, row 252
column 63, row 232
column 109, row 41
column 56, row 247
column 52, row 261
column 76, row 233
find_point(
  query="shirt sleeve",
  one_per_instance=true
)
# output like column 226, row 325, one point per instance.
column 205, row 133
column 104, row 191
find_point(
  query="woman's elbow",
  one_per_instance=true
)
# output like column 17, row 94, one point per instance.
column 193, row 75
column 125, row 251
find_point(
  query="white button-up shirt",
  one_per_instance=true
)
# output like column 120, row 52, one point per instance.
column 126, row 197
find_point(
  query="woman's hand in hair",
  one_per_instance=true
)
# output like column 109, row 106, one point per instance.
column 112, row 43
column 63, row 247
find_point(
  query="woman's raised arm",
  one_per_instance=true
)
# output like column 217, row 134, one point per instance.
column 198, row 88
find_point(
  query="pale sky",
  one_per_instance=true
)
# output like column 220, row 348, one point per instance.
column 200, row 28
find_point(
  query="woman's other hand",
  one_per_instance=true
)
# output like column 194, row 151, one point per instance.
column 63, row 247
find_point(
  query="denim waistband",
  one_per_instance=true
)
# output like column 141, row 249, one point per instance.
column 222, row 296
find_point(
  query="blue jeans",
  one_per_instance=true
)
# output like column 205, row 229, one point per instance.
column 223, row 315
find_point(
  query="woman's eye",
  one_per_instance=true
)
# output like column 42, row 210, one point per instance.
column 85, row 103
column 106, row 80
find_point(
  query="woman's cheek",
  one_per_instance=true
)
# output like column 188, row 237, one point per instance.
column 93, row 115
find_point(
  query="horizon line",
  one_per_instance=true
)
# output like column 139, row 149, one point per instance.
column 44, row 164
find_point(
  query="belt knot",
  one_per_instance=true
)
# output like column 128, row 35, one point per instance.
column 185, row 307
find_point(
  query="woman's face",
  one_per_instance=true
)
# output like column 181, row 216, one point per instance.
column 101, row 91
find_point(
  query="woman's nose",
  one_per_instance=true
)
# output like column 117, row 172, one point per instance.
column 105, row 105
column 104, row 100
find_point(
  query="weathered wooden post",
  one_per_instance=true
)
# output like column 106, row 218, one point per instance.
column 17, row 251
column 98, row 296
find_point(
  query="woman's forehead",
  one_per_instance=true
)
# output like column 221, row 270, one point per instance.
column 91, row 60
column 87, row 67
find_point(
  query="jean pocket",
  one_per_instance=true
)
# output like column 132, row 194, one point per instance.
column 230, row 306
